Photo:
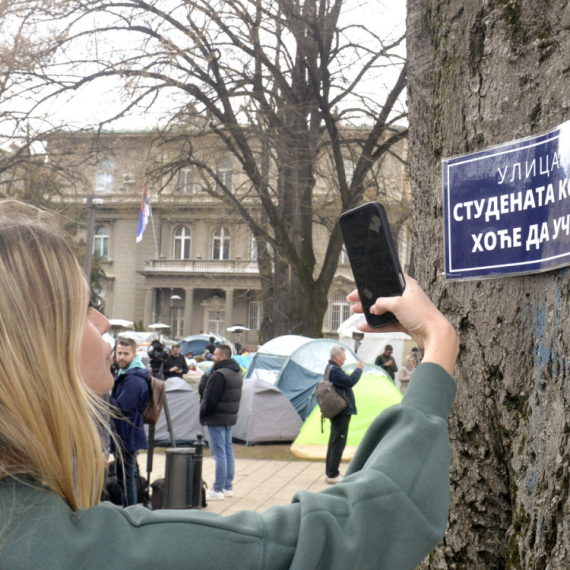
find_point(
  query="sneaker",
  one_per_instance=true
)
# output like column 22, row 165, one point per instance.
column 334, row 480
column 228, row 493
column 212, row 495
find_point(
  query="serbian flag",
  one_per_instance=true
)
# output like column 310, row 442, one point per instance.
column 143, row 219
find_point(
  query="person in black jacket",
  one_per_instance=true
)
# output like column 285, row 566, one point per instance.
column 211, row 346
column 339, row 424
column 175, row 365
column 220, row 391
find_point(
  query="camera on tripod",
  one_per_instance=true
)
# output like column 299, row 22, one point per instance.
column 157, row 354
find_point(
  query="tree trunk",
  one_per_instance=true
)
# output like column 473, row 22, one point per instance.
column 482, row 73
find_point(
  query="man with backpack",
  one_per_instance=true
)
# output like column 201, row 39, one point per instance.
column 130, row 394
column 343, row 383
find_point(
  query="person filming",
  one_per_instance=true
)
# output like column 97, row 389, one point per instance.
column 175, row 365
column 388, row 512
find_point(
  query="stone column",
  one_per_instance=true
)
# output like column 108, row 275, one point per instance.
column 229, row 309
column 188, row 306
column 148, row 304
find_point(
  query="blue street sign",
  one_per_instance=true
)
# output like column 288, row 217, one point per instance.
column 507, row 208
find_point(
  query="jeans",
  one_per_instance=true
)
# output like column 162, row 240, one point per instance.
column 337, row 443
column 221, row 446
column 127, row 478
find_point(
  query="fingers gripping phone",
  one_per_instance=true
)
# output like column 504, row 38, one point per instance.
column 373, row 258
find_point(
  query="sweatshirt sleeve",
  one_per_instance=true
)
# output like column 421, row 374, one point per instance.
column 388, row 513
column 391, row 508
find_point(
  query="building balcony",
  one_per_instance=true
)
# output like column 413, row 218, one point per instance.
column 208, row 266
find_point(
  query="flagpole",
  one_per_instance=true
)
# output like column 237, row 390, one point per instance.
column 153, row 228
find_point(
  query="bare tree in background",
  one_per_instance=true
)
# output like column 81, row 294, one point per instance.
column 278, row 83
column 27, row 46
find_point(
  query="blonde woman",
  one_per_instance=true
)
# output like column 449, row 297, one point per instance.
column 406, row 372
column 53, row 363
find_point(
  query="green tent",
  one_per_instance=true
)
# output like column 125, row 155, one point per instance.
column 373, row 393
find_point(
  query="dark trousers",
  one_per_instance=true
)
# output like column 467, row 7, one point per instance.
column 126, row 477
column 337, row 443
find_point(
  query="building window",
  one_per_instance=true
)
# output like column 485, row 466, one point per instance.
column 217, row 322
column 224, row 173
column 221, row 243
column 255, row 315
column 340, row 309
column 185, row 183
column 98, row 298
column 253, row 248
column 101, row 242
column 404, row 246
column 177, row 321
column 105, row 177
column 343, row 257
column 182, row 241
column 348, row 170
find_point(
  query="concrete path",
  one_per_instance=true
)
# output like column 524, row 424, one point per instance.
column 258, row 485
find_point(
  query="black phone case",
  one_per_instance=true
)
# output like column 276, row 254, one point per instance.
column 369, row 292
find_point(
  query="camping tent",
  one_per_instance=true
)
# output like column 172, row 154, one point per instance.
column 197, row 343
column 374, row 393
column 373, row 343
column 244, row 361
column 184, row 412
column 295, row 364
column 265, row 414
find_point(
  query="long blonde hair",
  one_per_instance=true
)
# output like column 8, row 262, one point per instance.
column 48, row 416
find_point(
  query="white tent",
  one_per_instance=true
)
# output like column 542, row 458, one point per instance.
column 184, row 413
column 373, row 343
column 265, row 414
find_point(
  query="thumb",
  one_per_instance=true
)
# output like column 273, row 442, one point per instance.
column 384, row 305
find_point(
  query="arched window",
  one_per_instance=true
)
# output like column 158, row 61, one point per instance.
column 182, row 242
column 185, row 183
column 105, row 177
column 224, row 173
column 101, row 242
column 340, row 309
column 221, row 244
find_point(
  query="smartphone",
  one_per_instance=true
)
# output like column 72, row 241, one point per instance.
column 373, row 258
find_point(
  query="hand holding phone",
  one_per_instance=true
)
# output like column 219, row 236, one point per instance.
column 419, row 318
column 373, row 258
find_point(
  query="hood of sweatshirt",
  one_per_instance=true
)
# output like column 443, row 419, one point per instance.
column 135, row 364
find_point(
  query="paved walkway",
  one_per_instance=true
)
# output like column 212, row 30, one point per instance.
column 258, row 485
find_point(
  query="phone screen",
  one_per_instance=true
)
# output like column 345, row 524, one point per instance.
column 373, row 258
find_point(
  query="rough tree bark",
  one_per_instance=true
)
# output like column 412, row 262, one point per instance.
column 482, row 73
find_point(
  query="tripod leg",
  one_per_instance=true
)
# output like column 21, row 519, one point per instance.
column 149, row 461
column 169, row 423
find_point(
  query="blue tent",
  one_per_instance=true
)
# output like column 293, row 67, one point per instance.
column 196, row 343
column 295, row 364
